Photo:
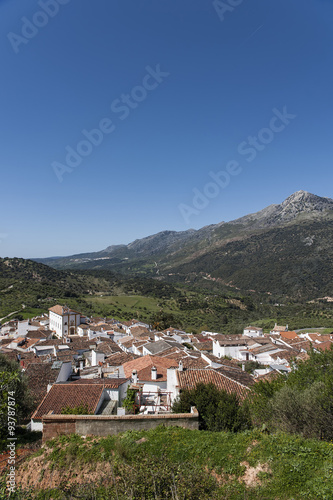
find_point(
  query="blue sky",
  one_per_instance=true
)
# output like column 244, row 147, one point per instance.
column 178, row 89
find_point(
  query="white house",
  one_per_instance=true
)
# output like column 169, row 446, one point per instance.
column 230, row 348
column 253, row 331
column 278, row 329
column 264, row 354
column 64, row 321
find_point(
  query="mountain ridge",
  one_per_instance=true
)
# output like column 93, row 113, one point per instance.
column 299, row 207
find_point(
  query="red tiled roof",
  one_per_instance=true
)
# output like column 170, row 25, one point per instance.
column 120, row 358
column 108, row 347
column 60, row 310
column 278, row 328
column 206, row 345
column 237, row 375
column 190, row 378
column 300, row 343
column 108, row 383
column 289, row 335
column 324, row 346
column 72, row 395
column 144, row 364
column 287, row 354
column 38, row 334
column 39, row 376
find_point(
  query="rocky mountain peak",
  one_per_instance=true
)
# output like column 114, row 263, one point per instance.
column 299, row 203
column 304, row 202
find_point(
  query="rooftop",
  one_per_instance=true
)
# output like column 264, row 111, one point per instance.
column 62, row 395
column 190, row 378
column 62, row 310
column 144, row 364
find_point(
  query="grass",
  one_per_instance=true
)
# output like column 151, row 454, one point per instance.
column 219, row 463
column 131, row 303
column 321, row 330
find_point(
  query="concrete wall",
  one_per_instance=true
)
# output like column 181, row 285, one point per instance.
column 172, row 383
column 100, row 425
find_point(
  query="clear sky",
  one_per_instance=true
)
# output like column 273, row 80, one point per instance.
column 120, row 119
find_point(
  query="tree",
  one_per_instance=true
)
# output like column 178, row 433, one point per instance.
column 302, row 402
column 218, row 410
column 15, row 399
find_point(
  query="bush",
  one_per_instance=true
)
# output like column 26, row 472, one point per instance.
column 218, row 410
column 301, row 403
column 129, row 402
column 77, row 410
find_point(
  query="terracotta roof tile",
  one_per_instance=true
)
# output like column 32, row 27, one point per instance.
column 61, row 310
column 190, row 378
column 144, row 364
column 72, row 395
column 289, row 335
column 324, row 346
column 108, row 347
column 120, row 358
column 206, row 345
column 108, row 383
column 39, row 375
column 237, row 375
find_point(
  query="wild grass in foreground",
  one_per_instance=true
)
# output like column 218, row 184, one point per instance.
column 179, row 464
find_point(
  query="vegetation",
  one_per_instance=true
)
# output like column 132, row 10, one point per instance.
column 43, row 286
column 277, row 261
column 129, row 403
column 201, row 304
column 81, row 409
column 15, row 401
column 218, row 410
column 302, row 402
column 171, row 462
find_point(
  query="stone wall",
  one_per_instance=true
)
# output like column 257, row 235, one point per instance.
column 104, row 425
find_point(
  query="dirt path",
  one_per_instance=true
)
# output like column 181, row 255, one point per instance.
column 14, row 312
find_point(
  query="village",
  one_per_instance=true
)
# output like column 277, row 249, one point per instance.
column 73, row 361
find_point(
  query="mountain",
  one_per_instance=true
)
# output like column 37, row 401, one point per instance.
column 285, row 248
column 299, row 205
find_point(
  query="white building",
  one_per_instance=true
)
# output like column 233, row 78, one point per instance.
column 253, row 331
column 63, row 321
column 230, row 348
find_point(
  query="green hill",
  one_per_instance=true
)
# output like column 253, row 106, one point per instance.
column 27, row 285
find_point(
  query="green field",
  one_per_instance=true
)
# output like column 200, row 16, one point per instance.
column 134, row 304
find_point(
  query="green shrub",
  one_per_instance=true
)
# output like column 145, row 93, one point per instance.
column 81, row 409
column 218, row 410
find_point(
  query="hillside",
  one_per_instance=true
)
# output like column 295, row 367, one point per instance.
column 27, row 284
column 293, row 261
column 178, row 463
column 284, row 249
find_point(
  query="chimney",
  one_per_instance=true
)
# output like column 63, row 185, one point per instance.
column 180, row 367
column 243, row 367
column 154, row 373
column 135, row 376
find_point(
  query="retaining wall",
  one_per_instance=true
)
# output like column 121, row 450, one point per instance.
column 104, row 425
